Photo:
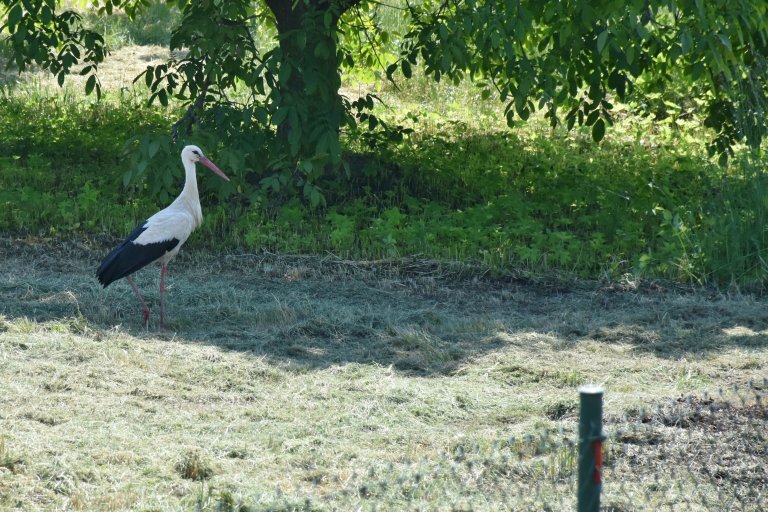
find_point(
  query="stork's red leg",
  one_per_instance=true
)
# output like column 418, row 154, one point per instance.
column 141, row 299
column 162, row 292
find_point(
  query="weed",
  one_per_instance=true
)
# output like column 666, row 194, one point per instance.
column 194, row 465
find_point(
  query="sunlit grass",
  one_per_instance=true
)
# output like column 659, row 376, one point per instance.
column 290, row 379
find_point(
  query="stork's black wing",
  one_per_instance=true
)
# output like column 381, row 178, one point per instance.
column 128, row 257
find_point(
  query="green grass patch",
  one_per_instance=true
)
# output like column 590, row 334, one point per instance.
column 647, row 202
column 63, row 161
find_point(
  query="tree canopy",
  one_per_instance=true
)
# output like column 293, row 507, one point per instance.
column 572, row 59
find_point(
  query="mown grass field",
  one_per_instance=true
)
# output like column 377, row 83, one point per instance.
column 301, row 383
column 417, row 345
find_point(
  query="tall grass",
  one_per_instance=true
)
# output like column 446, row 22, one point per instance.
column 728, row 242
column 62, row 161
column 724, row 239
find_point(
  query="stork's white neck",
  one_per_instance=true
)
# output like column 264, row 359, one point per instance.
column 190, row 181
column 189, row 199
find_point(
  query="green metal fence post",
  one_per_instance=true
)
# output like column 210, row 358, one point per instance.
column 590, row 448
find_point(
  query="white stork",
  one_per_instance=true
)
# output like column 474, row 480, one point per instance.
column 162, row 235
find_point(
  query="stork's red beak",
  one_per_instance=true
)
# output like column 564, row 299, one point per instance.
column 212, row 167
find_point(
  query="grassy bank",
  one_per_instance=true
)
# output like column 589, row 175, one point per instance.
column 647, row 201
column 644, row 202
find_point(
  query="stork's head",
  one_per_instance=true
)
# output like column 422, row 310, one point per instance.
column 195, row 154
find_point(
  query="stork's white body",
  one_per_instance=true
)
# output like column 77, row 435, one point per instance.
column 178, row 220
column 161, row 236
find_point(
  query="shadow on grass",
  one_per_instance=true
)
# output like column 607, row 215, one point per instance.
column 418, row 317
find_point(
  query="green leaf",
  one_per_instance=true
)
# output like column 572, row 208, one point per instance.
column 167, row 180
column 726, row 42
column 321, row 50
column 685, row 42
column 391, row 71
column 601, row 40
column 630, row 54
column 294, row 139
column 46, row 15
column 510, row 118
column 279, row 116
column 697, row 70
column 598, row 130
column 542, row 44
column 154, row 146
column 14, row 17
column 316, row 197
column 406, row 67
column 442, row 30
column 618, row 82
column 90, row 84
column 520, row 105
column 300, row 40
column 148, row 76
column 261, row 116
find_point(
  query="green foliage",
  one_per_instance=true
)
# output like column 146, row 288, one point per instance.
column 62, row 170
column 648, row 202
column 56, row 41
column 540, row 202
column 577, row 57
column 545, row 202
column 280, row 63
column 157, row 151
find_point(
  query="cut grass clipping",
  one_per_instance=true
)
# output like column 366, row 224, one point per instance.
column 314, row 383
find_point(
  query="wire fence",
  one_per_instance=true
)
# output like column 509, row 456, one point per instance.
column 699, row 453
column 707, row 452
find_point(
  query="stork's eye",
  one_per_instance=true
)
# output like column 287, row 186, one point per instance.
column 197, row 153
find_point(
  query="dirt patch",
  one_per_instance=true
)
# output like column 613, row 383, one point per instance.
column 716, row 445
column 116, row 73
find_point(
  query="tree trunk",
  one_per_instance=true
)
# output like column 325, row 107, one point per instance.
column 309, row 77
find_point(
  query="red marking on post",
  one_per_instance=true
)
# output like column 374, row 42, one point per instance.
column 598, row 461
